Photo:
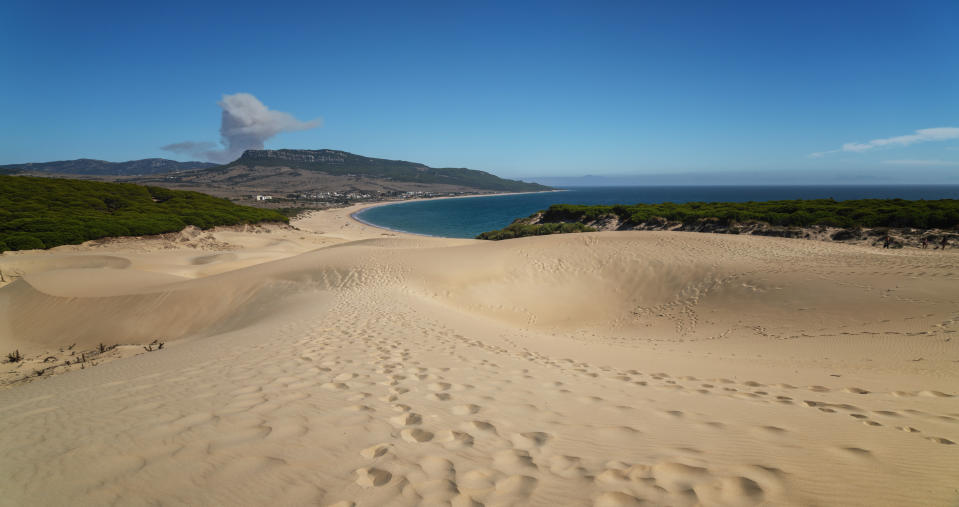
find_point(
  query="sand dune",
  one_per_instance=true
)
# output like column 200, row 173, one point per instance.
column 346, row 365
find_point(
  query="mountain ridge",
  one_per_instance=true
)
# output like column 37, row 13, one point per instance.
column 261, row 167
column 95, row 167
column 342, row 163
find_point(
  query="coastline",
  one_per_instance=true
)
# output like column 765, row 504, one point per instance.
column 354, row 214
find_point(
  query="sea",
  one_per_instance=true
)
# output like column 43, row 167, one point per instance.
column 467, row 217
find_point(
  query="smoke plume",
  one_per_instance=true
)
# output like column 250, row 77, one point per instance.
column 245, row 125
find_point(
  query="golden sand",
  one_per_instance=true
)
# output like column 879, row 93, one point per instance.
column 341, row 364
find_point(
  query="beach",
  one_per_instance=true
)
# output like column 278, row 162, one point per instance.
column 337, row 363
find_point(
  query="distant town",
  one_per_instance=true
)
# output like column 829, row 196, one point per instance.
column 290, row 202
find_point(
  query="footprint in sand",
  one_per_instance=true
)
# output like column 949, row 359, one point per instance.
column 406, row 419
column 569, row 467
column 437, row 467
column 360, row 408
column 529, row 440
column 478, row 483
column 513, row 461
column 375, row 451
column 438, row 386
column 480, row 426
column 466, row 409
column 416, row 435
column 372, row 477
column 452, row 439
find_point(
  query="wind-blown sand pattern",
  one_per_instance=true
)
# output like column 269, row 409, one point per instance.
column 352, row 366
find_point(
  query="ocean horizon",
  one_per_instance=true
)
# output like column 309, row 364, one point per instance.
column 465, row 218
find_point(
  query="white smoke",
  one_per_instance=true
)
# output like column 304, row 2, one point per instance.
column 245, row 125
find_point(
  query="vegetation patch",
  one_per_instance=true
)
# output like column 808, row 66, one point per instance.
column 341, row 163
column 519, row 230
column 852, row 214
column 49, row 212
column 897, row 213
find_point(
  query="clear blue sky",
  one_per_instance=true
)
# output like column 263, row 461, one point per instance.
column 547, row 88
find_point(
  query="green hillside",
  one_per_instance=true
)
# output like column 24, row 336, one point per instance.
column 48, row 212
column 343, row 163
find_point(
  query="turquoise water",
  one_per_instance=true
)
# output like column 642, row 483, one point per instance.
column 465, row 218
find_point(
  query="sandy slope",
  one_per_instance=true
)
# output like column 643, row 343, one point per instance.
column 608, row 369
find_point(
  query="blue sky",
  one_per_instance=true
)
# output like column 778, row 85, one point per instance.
column 524, row 90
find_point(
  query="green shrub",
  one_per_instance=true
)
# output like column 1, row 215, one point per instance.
column 519, row 230
column 48, row 212
column 19, row 241
column 898, row 213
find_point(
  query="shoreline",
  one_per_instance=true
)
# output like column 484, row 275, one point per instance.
column 354, row 214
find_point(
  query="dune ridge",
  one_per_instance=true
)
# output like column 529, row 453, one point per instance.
column 347, row 365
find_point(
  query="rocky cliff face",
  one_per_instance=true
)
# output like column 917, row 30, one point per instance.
column 325, row 156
